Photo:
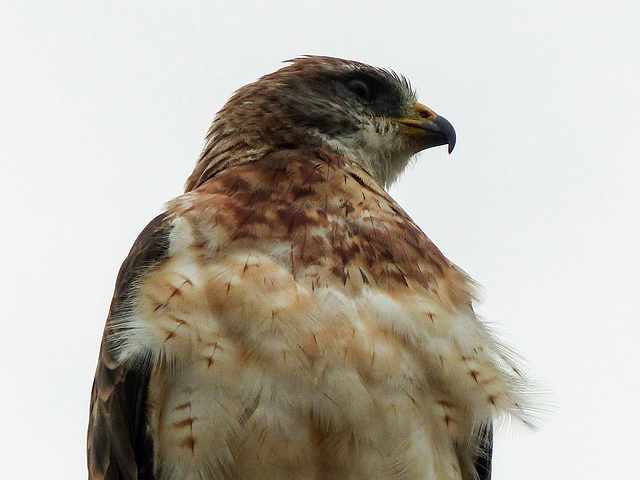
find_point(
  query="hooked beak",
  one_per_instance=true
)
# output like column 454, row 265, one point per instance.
column 432, row 129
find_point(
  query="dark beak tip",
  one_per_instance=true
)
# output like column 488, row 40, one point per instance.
column 446, row 129
column 451, row 142
column 443, row 129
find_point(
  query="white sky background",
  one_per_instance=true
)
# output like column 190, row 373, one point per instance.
column 103, row 111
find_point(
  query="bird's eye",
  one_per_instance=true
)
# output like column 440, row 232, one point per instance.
column 360, row 88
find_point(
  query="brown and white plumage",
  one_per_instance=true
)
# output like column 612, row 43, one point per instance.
column 285, row 318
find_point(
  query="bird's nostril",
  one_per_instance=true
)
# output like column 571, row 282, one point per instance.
column 425, row 114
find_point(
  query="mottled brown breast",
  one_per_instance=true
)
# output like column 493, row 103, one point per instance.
column 302, row 326
column 327, row 219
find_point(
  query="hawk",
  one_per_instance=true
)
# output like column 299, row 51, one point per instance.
column 285, row 318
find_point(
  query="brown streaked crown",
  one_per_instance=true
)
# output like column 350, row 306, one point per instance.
column 316, row 102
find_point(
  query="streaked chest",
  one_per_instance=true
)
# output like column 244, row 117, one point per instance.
column 293, row 335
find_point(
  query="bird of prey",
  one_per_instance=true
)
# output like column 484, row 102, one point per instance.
column 285, row 318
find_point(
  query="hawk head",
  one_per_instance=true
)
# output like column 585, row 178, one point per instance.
column 369, row 115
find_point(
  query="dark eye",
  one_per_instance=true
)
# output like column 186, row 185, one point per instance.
column 360, row 88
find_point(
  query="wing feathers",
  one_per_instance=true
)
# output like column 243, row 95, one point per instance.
column 483, row 461
column 117, row 447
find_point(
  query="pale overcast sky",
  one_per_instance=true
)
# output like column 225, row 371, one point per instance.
column 103, row 111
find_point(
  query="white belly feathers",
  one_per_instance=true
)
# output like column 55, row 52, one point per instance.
column 257, row 374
